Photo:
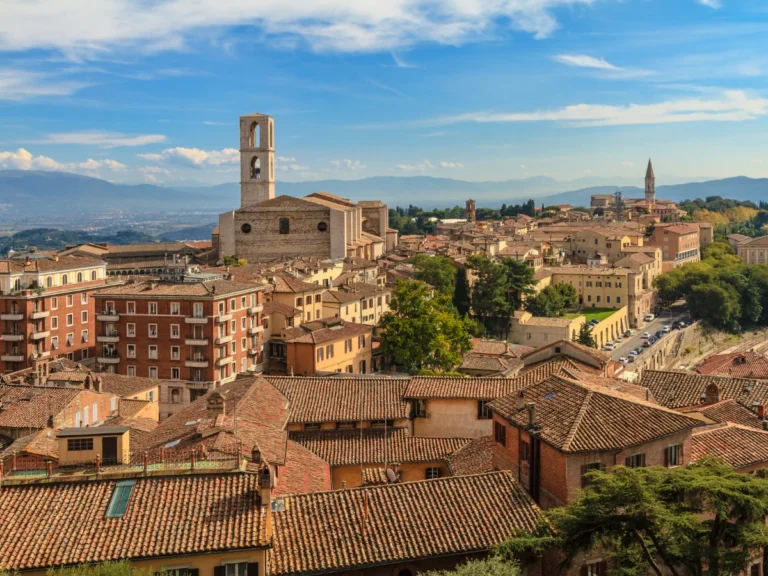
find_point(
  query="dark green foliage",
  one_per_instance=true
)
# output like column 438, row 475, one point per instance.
column 491, row 566
column 402, row 219
column 552, row 300
column 437, row 271
column 122, row 568
column 585, row 336
column 423, row 331
column 705, row 518
column 51, row 239
column 461, row 292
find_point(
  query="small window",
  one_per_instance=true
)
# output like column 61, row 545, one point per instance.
column 131, row 351
column 153, row 307
column 585, row 480
column 246, row 228
column 433, row 472
column 635, row 461
column 130, row 307
column 420, row 408
column 382, row 423
column 312, row 426
column 120, row 498
column 483, row 412
column 79, row 444
column 595, row 569
column 322, row 226
column 673, row 455
column 500, row 433
column 284, row 225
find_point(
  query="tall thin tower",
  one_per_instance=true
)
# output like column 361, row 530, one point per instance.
column 257, row 159
column 650, row 184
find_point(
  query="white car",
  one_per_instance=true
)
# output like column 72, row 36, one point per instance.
column 646, row 335
column 623, row 360
column 649, row 317
column 619, row 339
column 633, row 353
column 610, row 346
column 666, row 329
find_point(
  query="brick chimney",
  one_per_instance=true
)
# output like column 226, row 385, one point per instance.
column 711, row 394
column 215, row 405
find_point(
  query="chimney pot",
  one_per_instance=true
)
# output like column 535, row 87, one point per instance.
column 761, row 411
column 520, row 400
column 531, row 414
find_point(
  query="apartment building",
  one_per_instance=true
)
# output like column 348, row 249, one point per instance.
column 192, row 336
column 290, row 290
column 679, row 244
column 46, row 307
column 751, row 250
column 325, row 345
column 357, row 302
column 597, row 287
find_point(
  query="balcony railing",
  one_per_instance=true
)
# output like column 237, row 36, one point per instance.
column 256, row 309
column 13, row 337
column 196, row 319
column 223, row 318
column 110, row 315
column 196, row 341
column 12, row 357
column 253, row 330
column 39, row 334
column 223, row 361
column 224, row 339
column 108, row 357
column 13, row 316
column 39, row 314
column 111, row 337
column 196, row 362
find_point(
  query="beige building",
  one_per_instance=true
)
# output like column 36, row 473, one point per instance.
column 753, row 250
column 535, row 331
column 266, row 227
column 679, row 244
column 285, row 288
column 596, row 287
column 357, row 302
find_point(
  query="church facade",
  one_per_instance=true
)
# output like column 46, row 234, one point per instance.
column 268, row 227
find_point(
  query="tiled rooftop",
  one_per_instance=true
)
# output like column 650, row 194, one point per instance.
column 61, row 523
column 740, row 446
column 324, row 532
column 375, row 445
column 325, row 330
column 343, row 399
column 210, row 289
column 726, row 411
column 679, row 389
column 31, row 406
column 475, row 457
column 736, row 365
column 577, row 417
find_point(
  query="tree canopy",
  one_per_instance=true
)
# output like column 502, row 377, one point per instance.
column 437, row 271
column 553, row 300
column 461, row 292
column 423, row 331
column 491, row 566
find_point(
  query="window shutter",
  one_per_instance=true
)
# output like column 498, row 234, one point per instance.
column 642, row 458
column 584, row 570
column 584, row 480
column 628, row 461
column 219, row 571
column 194, row 571
column 603, row 568
column 253, row 569
column 666, row 456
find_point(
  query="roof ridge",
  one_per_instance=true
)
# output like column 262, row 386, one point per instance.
column 578, row 420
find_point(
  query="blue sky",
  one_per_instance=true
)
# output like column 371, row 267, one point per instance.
column 470, row 89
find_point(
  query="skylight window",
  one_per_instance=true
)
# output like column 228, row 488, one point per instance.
column 192, row 422
column 549, row 396
column 120, row 498
column 172, row 444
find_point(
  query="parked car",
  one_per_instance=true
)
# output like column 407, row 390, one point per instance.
column 666, row 329
column 631, row 359
column 649, row 317
column 633, row 354
column 627, row 333
column 646, row 335
column 639, row 350
column 623, row 360
column 659, row 334
column 609, row 346
column 619, row 339
column 647, row 344
column 676, row 325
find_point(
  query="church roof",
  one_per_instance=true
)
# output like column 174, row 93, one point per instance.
column 285, row 202
column 649, row 172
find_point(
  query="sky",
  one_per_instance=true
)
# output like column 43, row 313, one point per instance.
column 150, row 91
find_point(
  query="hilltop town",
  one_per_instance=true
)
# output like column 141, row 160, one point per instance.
column 313, row 392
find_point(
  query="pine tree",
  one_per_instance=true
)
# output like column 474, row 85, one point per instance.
column 585, row 336
column 461, row 297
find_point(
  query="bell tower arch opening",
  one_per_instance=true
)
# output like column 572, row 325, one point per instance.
column 257, row 159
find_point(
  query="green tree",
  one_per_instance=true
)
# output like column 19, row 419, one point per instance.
column 718, row 305
column 461, row 292
column 552, row 300
column 437, row 271
column 520, row 282
column 122, row 568
column 491, row 566
column 585, row 336
column 490, row 294
column 705, row 518
column 423, row 331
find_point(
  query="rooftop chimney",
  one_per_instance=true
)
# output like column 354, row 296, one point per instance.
column 531, row 414
column 520, row 400
column 215, row 405
column 256, row 455
column 761, row 411
column 712, row 394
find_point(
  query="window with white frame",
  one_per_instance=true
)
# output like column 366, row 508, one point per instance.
column 153, row 352
column 71, row 339
column 175, row 373
column 153, row 371
column 130, row 330
column 153, row 330
column 130, row 351
column 55, row 303
column 197, row 310
column 175, row 353
column 85, row 335
column 70, row 300
column 70, row 319
column 153, row 307
column 175, row 331
column 54, row 342
column 84, row 317
column 84, row 298
column 175, row 308
column 130, row 307
column 131, row 370
column 54, row 322
column 232, row 304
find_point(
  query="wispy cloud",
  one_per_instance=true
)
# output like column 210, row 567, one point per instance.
column 715, row 4
column 77, row 31
column 400, row 63
column 18, row 84
column 420, row 167
column 23, row 159
column 286, row 159
column 385, row 87
column 194, row 157
column 102, row 139
column 584, row 61
column 451, row 165
column 212, row 123
column 729, row 106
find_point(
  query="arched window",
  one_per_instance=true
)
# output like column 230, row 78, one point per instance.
column 93, row 274
column 64, row 280
column 17, row 284
column 255, row 169
column 254, row 135
column 270, row 135
column 175, row 396
column 284, row 225
column 79, row 276
column 49, row 281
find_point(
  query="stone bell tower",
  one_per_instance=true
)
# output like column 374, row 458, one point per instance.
column 257, row 159
column 650, row 184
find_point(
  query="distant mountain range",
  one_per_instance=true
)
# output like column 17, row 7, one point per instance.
column 64, row 193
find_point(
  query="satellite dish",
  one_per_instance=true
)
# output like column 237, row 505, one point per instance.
column 391, row 476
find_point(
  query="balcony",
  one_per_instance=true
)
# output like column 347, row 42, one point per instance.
column 14, row 357
column 196, row 319
column 256, row 309
column 109, row 357
column 224, row 339
column 12, row 316
column 254, row 351
column 39, row 314
column 110, row 338
column 200, row 385
column 43, row 354
column 108, row 316
column 196, row 363
column 39, row 334
column 258, row 368
column 13, row 337
column 220, row 318
column 223, row 361
column 253, row 330
column 196, row 341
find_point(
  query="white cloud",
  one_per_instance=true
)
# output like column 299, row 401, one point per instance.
column 353, row 164
column 731, row 106
column 23, row 159
column 522, row 166
column 715, row 4
column 451, row 165
column 286, row 159
column 80, row 31
column 195, row 156
column 400, row 63
column 386, row 88
column 293, row 168
column 22, row 85
column 583, row 61
column 420, row 167
column 627, row 164
column 103, row 139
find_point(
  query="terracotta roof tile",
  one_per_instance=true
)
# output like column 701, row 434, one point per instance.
column 343, row 399
column 475, row 457
column 679, row 389
column 726, row 411
column 577, row 417
column 303, row 472
column 325, row 330
column 740, row 446
column 322, row 532
column 209, row 289
column 129, row 408
column 375, row 445
column 736, row 365
column 40, row 443
column 280, row 308
column 46, row 525
column 32, row 406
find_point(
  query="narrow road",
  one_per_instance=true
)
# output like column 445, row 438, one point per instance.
column 637, row 340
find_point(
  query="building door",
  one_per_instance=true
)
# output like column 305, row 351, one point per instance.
column 109, row 449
